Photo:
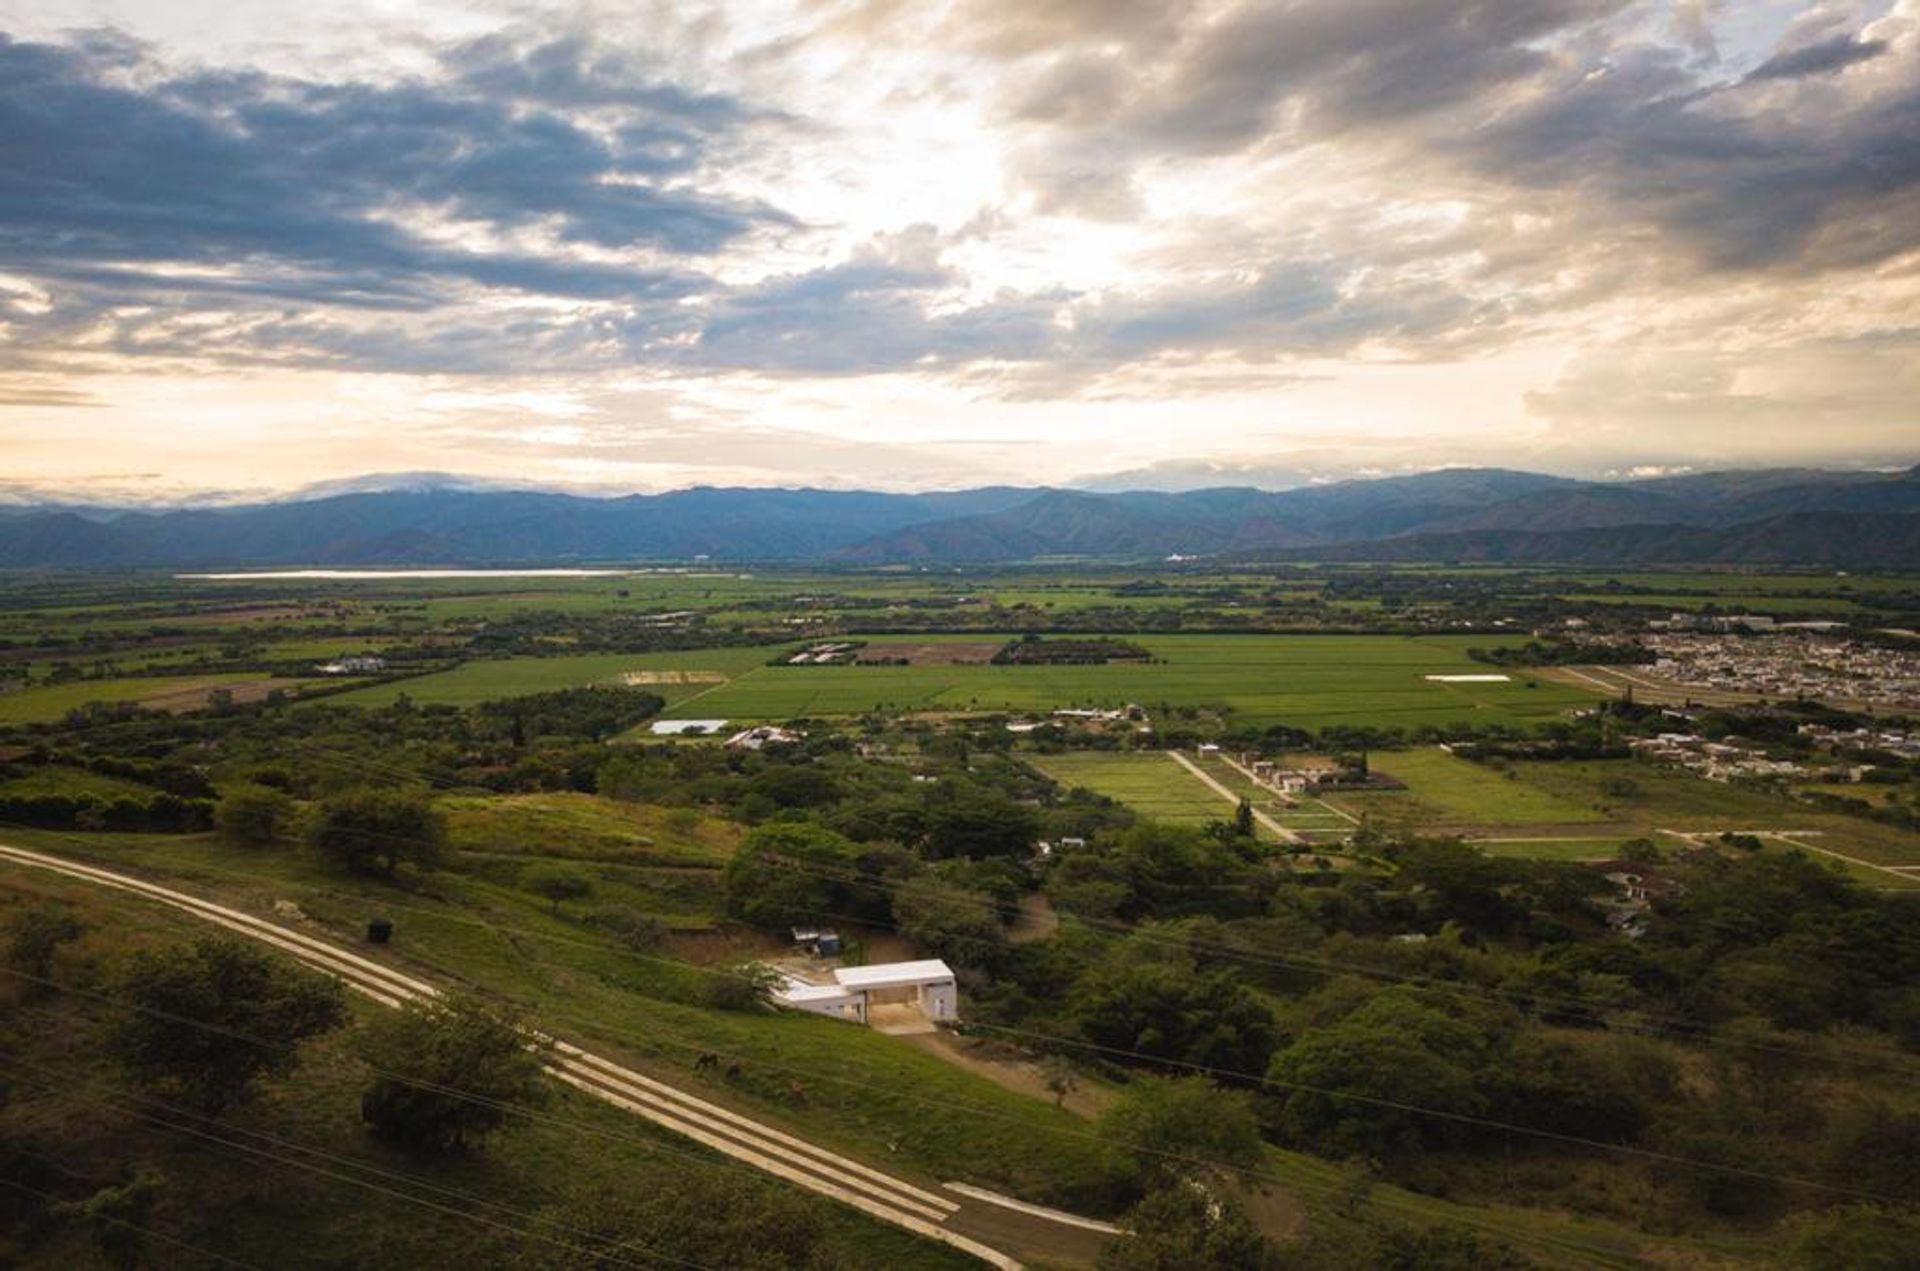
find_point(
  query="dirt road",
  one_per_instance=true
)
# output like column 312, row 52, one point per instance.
column 1280, row 831
column 976, row 1226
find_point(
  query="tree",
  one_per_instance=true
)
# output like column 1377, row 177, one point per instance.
column 1352, row 1086
column 955, row 923
column 973, row 822
column 209, row 1019
column 1185, row 1227
column 116, row 1217
column 374, row 831
column 1243, row 820
column 33, row 936
column 1149, row 1001
column 251, row 816
column 793, row 872
column 1060, row 1077
column 1176, row 1128
column 448, row 1072
column 557, row 882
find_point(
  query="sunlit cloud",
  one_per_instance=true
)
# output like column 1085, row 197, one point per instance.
column 860, row 242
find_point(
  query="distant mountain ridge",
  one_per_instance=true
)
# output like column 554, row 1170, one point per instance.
column 1493, row 514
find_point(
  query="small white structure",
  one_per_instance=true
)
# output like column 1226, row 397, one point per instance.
column 765, row 735
column 353, row 665
column 895, row 992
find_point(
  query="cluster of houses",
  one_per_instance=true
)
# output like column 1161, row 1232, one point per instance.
column 1892, row 740
column 1714, row 760
column 1793, row 663
column 359, row 664
column 835, row 653
column 1631, row 903
column 1094, row 717
column 759, row 738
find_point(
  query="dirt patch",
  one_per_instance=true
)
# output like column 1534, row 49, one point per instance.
column 225, row 617
column 194, row 697
column 639, row 679
column 1018, row 1075
column 936, row 653
column 1035, row 921
column 724, row 946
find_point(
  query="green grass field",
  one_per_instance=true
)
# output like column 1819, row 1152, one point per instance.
column 582, row 827
column 1306, row 681
column 1149, row 782
column 53, row 701
column 490, row 680
column 1476, row 794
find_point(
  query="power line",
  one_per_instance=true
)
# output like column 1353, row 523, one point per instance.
column 130, row 1225
column 1262, row 1080
column 60, row 1077
column 1594, row 1010
column 1252, row 1175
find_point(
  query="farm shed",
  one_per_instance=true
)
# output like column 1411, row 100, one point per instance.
column 904, row 993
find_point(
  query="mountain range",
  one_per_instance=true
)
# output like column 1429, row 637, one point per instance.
column 1775, row 516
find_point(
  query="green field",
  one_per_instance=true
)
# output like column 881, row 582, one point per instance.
column 1305, row 681
column 51, row 702
column 492, row 679
column 1149, row 782
column 1476, row 794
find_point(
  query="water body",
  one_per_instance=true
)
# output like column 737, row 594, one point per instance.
column 353, row 574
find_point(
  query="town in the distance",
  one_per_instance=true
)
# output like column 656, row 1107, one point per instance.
column 1050, row 913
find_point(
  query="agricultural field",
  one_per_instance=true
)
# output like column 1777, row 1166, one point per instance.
column 1302, row 681
column 1150, row 782
column 1456, row 791
column 676, row 677
column 49, row 702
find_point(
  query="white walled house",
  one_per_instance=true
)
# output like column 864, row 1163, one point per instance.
column 896, row 991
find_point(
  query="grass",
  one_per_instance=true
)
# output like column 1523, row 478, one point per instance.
column 1150, row 783
column 52, row 702
column 1304, row 681
column 492, row 679
column 585, row 827
column 865, row 1092
column 262, row 1209
column 73, row 783
column 1605, row 847
column 1475, row 794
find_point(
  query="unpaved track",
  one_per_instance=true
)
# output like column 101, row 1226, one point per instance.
column 1280, row 831
column 879, row 1195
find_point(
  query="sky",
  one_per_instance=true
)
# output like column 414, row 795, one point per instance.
column 907, row 244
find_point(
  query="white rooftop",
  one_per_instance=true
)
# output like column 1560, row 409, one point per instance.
column 893, row 975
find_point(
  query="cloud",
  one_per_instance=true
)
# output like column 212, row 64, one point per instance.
column 1820, row 58
column 120, row 180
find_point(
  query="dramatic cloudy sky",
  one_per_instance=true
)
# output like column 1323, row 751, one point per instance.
column 914, row 243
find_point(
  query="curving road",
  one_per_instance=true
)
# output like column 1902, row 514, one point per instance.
column 979, row 1223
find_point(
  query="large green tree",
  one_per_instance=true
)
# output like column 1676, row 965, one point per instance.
column 1175, row 1128
column 374, row 831
column 1389, row 1077
column 447, row 1073
column 205, row 1021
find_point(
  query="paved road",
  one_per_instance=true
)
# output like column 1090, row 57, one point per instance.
column 973, row 1223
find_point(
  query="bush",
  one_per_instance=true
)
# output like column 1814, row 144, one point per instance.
column 556, row 882
column 251, row 816
column 209, row 1019
column 1176, row 1128
column 374, row 831
column 448, row 1073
